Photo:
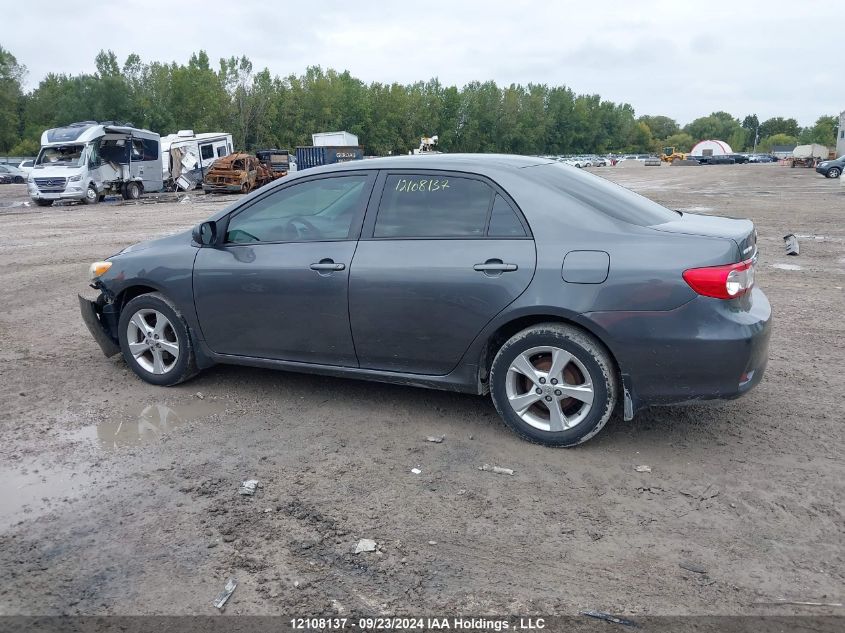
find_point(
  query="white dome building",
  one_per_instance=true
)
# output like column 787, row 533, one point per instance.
column 711, row 148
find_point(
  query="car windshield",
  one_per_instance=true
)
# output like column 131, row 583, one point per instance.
column 62, row 155
column 605, row 196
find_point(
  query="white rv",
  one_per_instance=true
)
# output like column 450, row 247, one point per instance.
column 185, row 156
column 88, row 160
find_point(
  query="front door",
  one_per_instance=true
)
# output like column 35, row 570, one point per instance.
column 277, row 287
column 443, row 256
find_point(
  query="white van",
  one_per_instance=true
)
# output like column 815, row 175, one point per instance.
column 88, row 160
column 185, row 156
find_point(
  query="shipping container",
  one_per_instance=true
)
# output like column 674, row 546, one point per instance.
column 315, row 156
column 334, row 139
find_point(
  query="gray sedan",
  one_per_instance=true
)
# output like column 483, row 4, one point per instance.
column 560, row 294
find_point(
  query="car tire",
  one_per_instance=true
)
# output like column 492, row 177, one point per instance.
column 91, row 195
column 147, row 341
column 833, row 172
column 18, row 180
column 44, row 203
column 585, row 370
column 131, row 190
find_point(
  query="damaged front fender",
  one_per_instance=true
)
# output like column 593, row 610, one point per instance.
column 101, row 319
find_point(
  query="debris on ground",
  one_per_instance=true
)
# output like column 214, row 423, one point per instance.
column 801, row 603
column 227, row 592
column 642, row 468
column 607, row 617
column 496, row 469
column 365, row 545
column 696, row 569
column 199, row 395
column 432, row 542
column 416, row 471
column 437, row 439
column 791, row 242
column 248, row 487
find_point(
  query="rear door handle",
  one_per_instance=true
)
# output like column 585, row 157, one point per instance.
column 495, row 266
column 327, row 265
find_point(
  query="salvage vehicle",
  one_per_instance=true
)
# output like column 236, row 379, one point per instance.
column 832, row 168
column 559, row 293
column 185, row 157
column 86, row 161
column 237, row 173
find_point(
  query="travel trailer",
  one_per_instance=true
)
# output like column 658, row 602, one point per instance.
column 88, row 160
column 186, row 157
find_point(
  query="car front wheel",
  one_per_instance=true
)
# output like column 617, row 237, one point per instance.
column 834, row 172
column 554, row 384
column 154, row 340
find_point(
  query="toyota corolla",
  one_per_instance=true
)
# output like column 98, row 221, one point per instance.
column 557, row 292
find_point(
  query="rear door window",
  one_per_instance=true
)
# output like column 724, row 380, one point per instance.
column 433, row 206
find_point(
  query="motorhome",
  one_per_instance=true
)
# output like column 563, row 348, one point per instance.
column 88, row 160
column 186, row 157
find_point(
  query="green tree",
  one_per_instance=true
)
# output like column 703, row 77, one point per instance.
column 767, row 144
column 779, row 125
column 661, row 126
column 11, row 99
column 682, row 142
column 823, row 132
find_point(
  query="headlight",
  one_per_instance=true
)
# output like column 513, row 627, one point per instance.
column 76, row 178
column 98, row 269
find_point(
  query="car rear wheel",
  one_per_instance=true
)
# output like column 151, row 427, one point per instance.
column 554, row 384
column 154, row 340
column 131, row 191
column 834, row 172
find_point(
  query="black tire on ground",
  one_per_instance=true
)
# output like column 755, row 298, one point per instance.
column 833, row 172
column 91, row 195
column 18, row 180
column 185, row 366
column 132, row 190
column 44, row 203
column 588, row 351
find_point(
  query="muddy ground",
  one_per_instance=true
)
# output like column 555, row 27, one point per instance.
column 117, row 497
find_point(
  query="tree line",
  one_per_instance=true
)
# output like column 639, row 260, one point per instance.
column 262, row 110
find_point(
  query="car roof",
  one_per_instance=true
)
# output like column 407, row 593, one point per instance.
column 475, row 163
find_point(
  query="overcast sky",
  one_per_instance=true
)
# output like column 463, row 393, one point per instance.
column 681, row 59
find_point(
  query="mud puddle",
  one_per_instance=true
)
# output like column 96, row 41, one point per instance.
column 32, row 489
column 146, row 426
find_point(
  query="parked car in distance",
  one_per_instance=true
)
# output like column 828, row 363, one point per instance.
column 739, row 159
column 26, row 165
column 15, row 175
column 558, row 292
column 831, row 168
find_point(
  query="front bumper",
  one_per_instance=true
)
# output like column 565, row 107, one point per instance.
column 822, row 170
column 706, row 349
column 101, row 320
column 64, row 195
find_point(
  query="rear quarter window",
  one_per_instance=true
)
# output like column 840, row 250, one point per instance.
column 605, row 196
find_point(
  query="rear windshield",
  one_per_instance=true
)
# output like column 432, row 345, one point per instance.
column 605, row 196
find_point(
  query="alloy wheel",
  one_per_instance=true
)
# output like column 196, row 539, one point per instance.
column 549, row 388
column 152, row 341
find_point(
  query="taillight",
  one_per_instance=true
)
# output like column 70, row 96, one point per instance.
column 722, row 282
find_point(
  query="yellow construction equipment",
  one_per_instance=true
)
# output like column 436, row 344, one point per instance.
column 669, row 155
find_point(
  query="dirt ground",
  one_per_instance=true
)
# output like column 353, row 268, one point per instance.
column 117, row 497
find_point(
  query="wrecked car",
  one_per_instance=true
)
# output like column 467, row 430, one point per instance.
column 236, row 173
column 562, row 295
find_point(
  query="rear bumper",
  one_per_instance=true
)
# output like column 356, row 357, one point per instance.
column 100, row 321
column 706, row 349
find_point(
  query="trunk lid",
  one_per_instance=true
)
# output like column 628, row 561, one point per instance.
column 742, row 232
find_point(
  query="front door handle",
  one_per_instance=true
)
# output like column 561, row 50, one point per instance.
column 495, row 266
column 327, row 265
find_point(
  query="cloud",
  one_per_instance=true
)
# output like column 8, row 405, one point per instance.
column 663, row 57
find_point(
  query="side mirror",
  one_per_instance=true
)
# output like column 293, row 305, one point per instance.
column 205, row 233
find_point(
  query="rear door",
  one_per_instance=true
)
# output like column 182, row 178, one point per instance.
column 441, row 254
